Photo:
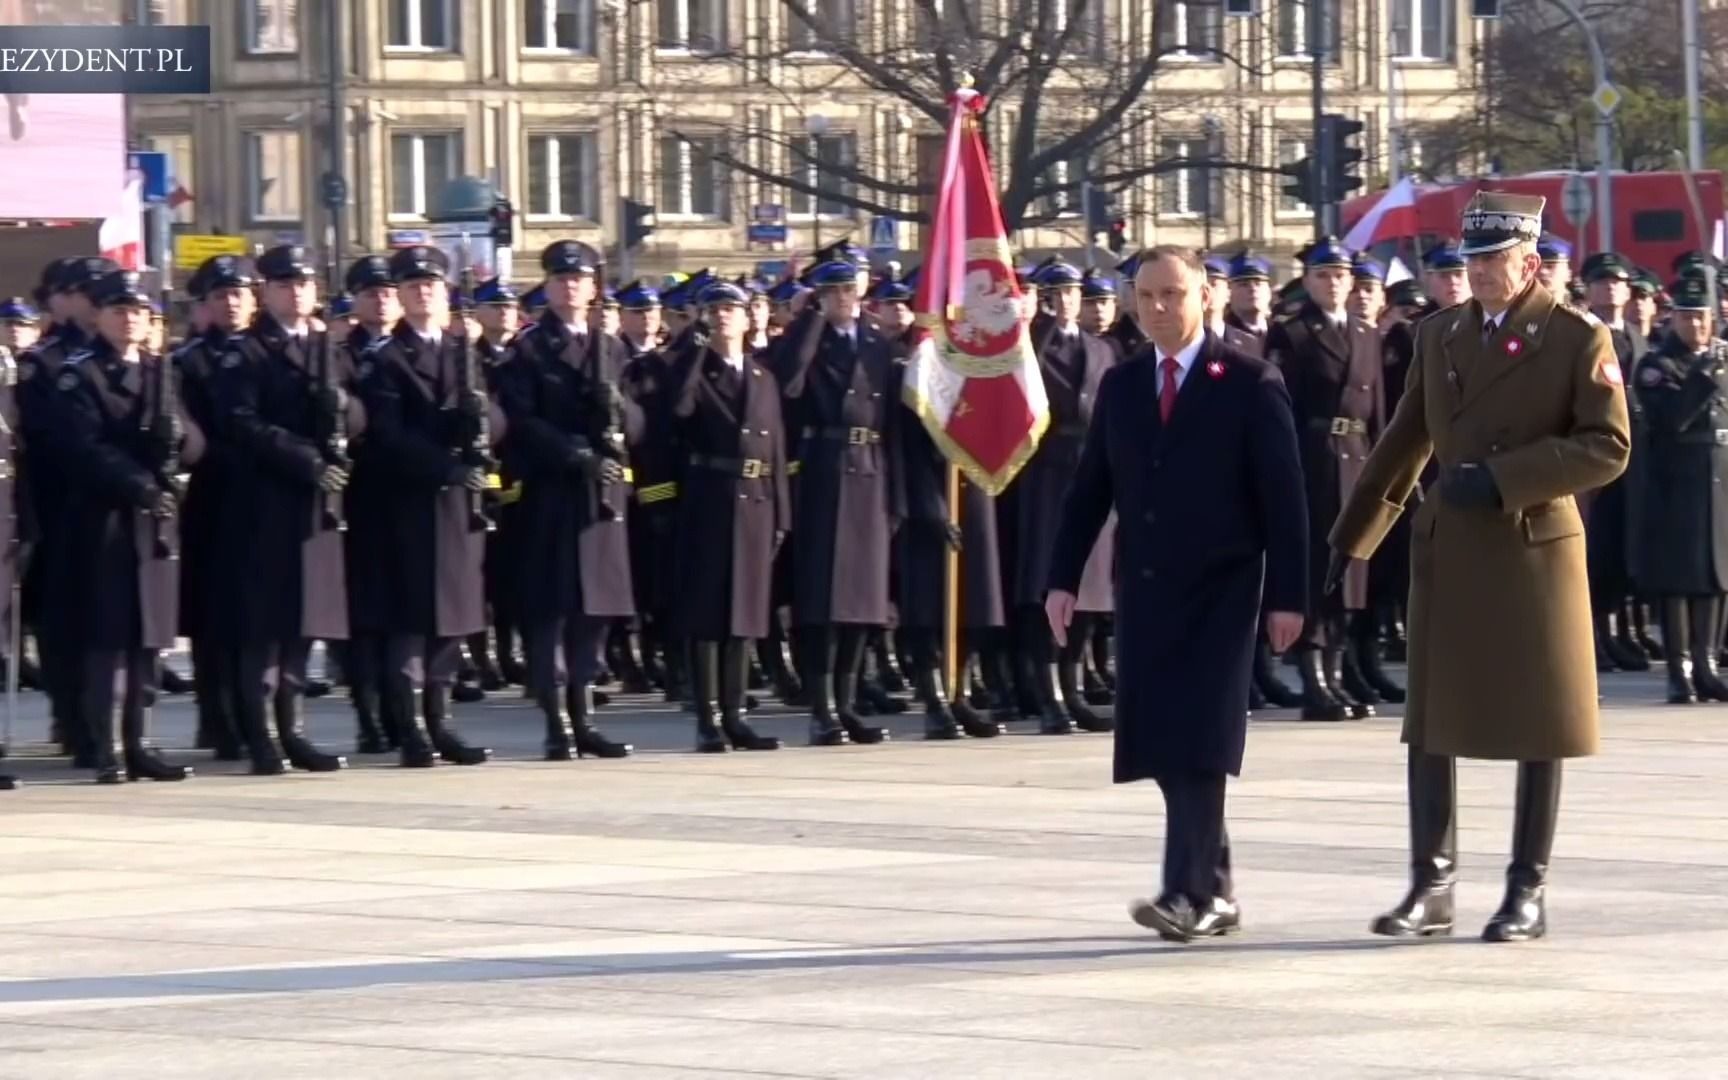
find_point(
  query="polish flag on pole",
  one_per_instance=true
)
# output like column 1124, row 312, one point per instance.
column 1393, row 218
column 973, row 377
column 121, row 237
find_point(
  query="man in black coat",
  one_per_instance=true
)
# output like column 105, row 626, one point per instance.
column 841, row 388
column 1250, row 312
column 222, row 289
column 1681, row 527
column 283, row 417
column 1072, row 364
column 427, row 414
column 125, row 441
column 498, row 311
column 570, row 430
column 1194, row 447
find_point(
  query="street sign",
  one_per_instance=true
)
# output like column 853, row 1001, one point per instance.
column 403, row 238
column 771, row 269
column 768, row 213
column 1577, row 201
column 884, row 234
column 1606, row 98
column 191, row 250
column 758, row 233
column 153, row 167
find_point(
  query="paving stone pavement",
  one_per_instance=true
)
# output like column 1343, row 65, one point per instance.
column 913, row 910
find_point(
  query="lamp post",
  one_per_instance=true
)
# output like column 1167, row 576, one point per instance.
column 817, row 125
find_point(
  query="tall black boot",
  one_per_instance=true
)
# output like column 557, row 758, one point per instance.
column 816, row 645
column 1705, row 676
column 994, row 661
column 1318, row 703
column 1034, row 662
column 1523, row 914
column 504, row 641
column 1333, row 670
column 414, row 740
column 480, row 649
column 971, row 721
column 210, row 687
column 1622, row 650
column 1603, row 634
column 677, row 671
column 371, row 738
column 1432, row 782
column 449, row 745
column 1104, row 654
column 709, row 740
column 1067, row 679
column 888, row 671
column 771, row 652
column 1365, row 648
column 1272, row 688
column 590, row 740
column 1641, row 631
column 255, row 730
column 848, row 665
column 102, row 741
column 560, row 743
column 628, row 666
column 1676, row 634
column 291, row 728
column 734, row 675
column 926, row 660
column 142, row 760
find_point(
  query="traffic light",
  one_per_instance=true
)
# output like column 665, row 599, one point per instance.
column 1343, row 160
column 638, row 223
column 503, row 224
column 1118, row 241
column 1301, row 186
column 1097, row 211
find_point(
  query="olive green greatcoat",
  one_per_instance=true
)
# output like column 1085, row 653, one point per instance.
column 1502, row 663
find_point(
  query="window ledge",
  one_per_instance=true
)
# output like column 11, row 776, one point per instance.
column 418, row 50
column 554, row 52
column 708, row 220
column 559, row 219
column 269, row 54
column 1188, row 59
column 1423, row 61
column 685, row 52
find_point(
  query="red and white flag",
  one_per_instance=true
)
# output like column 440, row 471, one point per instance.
column 1394, row 217
column 121, row 237
column 973, row 377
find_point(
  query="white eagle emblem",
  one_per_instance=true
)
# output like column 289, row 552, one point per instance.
column 990, row 307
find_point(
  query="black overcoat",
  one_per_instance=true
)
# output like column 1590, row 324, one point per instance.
column 430, row 578
column 732, row 500
column 841, row 401
column 45, row 483
column 1389, row 569
column 279, row 531
column 1608, row 549
column 575, row 554
column 655, row 459
column 1211, row 508
column 1682, row 527
column 207, row 570
column 122, row 586
column 366, row 506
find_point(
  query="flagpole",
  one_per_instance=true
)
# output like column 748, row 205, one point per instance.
column 953, row 665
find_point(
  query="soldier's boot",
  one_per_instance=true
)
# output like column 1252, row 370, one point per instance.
column 1641, row 631
column 1256, row 700
column 107, row 755
column 1104, row 654
column 255, row 730
column 940, row 723
column 709, row 738
column 848, row 666
column 445, row 740
column 816, row 645
column 1272, row 688
column 926, row 657
column 888, row 670
column 392, row 720
column 142, row 760
column 479, row 647
column 1523, row 914
column 1603, row 635
column 590, row 740
column 1067, row 680
column 772, row 653
column 734, row 664
column 994, row 665
column 210, row 688
column 1092, row 683
column 1706, row 677
column 560, row 744
column 1622, row 650
column 504, row 640
column 1676, row 635
column 370, row 739
column 414, row 740
column 1392, row 632
column 296, row 747
column 1365, row 638
column 1426, row 910
column 677, row 686
column 1318, row 702
column 633, row 678
column 1333, row 670
column 1350, row 677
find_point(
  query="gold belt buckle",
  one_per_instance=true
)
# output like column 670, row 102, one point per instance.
column 858, row 436
column 752, row 469
column 1340, row 426
column 1722, row 436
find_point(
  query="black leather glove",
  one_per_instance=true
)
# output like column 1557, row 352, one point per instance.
column 599, row 470
column 164, row 505
column 331, row 400
column 333, row 478
column 1335, row 569
column 951, row 534
column 779, row 539
column 467, row 476
column 1469, row 486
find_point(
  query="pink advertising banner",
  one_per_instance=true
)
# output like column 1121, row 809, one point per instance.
column 61, row 155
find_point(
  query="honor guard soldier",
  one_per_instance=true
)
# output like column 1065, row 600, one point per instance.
column 429, row 436
column 1407, row 303
column 498, row 311
column 1519, row 402
column 1556, row 272
column 1098, row 306
column 1126, row 332
column 284, row 420
column 339, row 316
column 1334, row 383
column 1444, row 276
column 1641, row 309
column 732, row 511
column 838, row 379
column 1218, row 311
column 571, row 426
column 125, row 441
column 1072, row 364
column 1250, row 296
column 222, row 290
column 1682, row 519
column 18, row 321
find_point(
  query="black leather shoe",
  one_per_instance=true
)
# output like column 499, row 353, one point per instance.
column 940, row 726
column 1171, row 918
column 744, row 737
column 1523, row 915
column 1053, row 721
column 826, row 731
column 709, row 740
column 975, row 724
column 1217, row 919
column 1425, row 912
column 861, row 733
column 143, row 763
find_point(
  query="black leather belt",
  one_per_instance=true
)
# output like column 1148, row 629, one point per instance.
column 851, row 436
column 744, row 468
column 1339, row 425
column 1067, row 431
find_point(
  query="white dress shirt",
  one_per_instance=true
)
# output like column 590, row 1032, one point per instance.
column 1184, row 362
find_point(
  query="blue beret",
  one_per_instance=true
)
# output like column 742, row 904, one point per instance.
column 608, row 298
column 1056, row 275
column 1444, row 257
column 495, row 291
column 1554, row 250
column 724, row 292
column 1365, row 268
column 1326, row 251
column 15, row 309
column 1246, row 267
column 638, row 296
column 1094, row 286
column 834, row 272
column 1217, row 266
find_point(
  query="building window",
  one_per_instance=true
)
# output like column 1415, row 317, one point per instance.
column 420, row 165
column 178, row 147
column 1196, row 191
column 1187, row 28
column 817, row 160
column 1422, row 29
column 273, row 175
column 168, row 12
column 1290, row 151
column 559, row 26
column 934, row 24
column 693, row 25
column 1066, row 177
column 427, row 25
column 272, row 26
column 692, row 183
column 834, row 21
column 1293, row 27
column 563, row 176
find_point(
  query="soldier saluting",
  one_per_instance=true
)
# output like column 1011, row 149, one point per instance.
column 125, row 440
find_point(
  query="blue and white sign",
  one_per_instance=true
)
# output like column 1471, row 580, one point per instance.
column 884, row 234
column 759, row 233
column 152, row 166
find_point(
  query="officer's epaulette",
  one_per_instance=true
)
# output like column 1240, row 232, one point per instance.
column 69, row 378
column 78, row 356
column 1587, row 316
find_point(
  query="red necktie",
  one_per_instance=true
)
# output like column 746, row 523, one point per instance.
column 1167, row 395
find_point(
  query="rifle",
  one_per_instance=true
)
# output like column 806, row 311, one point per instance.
column 331, row 418
column 474, row 432
column 161, row 432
